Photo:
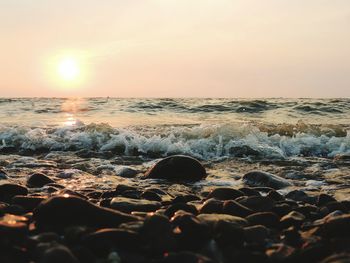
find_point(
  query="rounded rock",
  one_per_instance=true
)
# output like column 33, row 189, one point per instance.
column 177, row 168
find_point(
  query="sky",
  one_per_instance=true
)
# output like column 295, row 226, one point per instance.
column 175, row 48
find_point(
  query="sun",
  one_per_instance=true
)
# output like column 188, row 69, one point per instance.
column 68, row 69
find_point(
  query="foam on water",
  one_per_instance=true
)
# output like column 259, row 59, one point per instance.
column 206, row 141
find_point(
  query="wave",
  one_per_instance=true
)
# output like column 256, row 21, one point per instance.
column 201, row 141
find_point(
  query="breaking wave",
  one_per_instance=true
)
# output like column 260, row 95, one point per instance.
column 206, row 141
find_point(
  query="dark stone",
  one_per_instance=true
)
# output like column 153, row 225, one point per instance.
column 38, row 180
column 291, row 236
column 212, row 206
column 323, row 199
column 151, row 196
column 301, row 196
column 128, row 205
column 257, row 203
column 58, row 254
column 280, row 252
column 3, row 175
column 104, row 240
column 234, row 208
column 212, row 219
column 63, row 211
column 177, row 167
column 193, row 233
column 27, row 202
column 260, row 178
column 294, row 218
column 268, row 219
column 7, row 191
column 249, row 191
column 172, row 209
column 257, row 233
column 156, row 234
column 335, row 226
column 225, row 193
column 227, row 234
column 275, row 195
column 281, row 209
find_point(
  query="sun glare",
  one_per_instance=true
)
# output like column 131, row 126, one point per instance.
column 68, row 69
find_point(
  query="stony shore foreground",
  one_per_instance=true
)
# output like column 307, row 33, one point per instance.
column 131, row 224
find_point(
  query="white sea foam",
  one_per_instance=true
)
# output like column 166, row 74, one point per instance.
column 202, row 141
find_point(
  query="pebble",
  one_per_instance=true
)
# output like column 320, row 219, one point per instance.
column 38, row 180
column 128, row 205
column 267, row 219
column 260, row 178
column 225, row 193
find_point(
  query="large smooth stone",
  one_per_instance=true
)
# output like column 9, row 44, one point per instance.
column 62, row 211
column 177, row 167
column 260, row 178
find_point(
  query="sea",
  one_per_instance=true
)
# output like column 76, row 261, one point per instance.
column 84, row 142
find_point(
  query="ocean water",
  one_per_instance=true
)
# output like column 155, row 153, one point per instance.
column 204, row 128
column 84, row 142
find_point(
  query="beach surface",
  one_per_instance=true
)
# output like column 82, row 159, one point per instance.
column 87, row 180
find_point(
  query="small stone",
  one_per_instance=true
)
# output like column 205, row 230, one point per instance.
column 177, row 167
column 156, row 234
column 128, row 205
column 335, row 226
column 172, row 209
column 212, row 206
column 260, row 178
column 323, row 199
column 257, row 203
column 234, row 208
column 38, row 180
column 192, row 233
column 125, row 171
column 225, row 193
column 267, row 219
column 257, row 233
column 227, row 234
column 294, row 218
column 151, row 196
column 280, row 252
column 212, row 219
column 3, row 175
column 301, row 196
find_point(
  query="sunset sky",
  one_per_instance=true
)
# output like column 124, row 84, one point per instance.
column 175, row 48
